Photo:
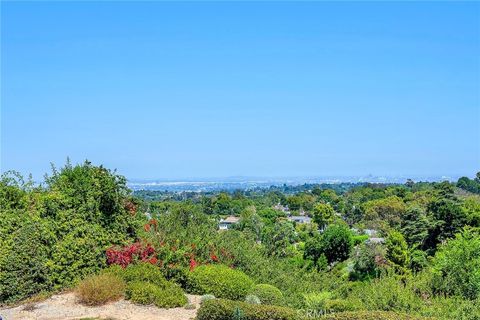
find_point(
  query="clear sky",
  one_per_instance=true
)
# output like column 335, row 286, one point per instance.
column 175, row 90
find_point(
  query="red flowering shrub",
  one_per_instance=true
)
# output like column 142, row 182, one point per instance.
column 150, row 224
column 173, row 258
column 131, row 253
column 131, row 207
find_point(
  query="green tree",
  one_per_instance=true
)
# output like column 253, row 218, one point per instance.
column 335, row 243
column 397, row 250
column 414, row 226
column 456, row 266
column 323, row 215
column 278, row 238
column 447, row 217
column 388, row 210
column 314, row 252
column 471, row 185
column 250, row 222
column 368, row 261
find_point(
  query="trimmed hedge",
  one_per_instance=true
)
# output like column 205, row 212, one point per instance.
column 219, row 280
column 220, row 309
column 145, row 272
column 372, row 315
column 142, row 292
column 171, row 297
column 268, row 294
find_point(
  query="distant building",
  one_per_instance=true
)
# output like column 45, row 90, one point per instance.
column 376, row 240
column 300, row 219
column 228, row 222
column 282, row 208
column 370, row 232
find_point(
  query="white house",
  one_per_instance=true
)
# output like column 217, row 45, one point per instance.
column 300, row 219
column 228, row 222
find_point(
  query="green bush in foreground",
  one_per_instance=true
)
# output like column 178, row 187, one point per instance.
column 221, row 281
column 170, row 296
column 268, row 294
column 142, row 292
column 24, row 252
column 456, row 266
column 371, row 315
column 145, row 272
column 100, row 289
column 219, row 309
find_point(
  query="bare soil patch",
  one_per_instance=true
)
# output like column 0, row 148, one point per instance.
column 66, row 307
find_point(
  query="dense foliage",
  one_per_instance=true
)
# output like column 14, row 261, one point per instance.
column 52, row 236
column 268, row 294
column 352, row 251
column 218, row 309
column 220, row 281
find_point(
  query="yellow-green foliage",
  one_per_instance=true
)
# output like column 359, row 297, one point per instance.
column 221, row 281
column 100, row 289
column 268, row 294
column 168, row 296
column 219, row 309
column 145, row 272
column 316, row 300
column 371, row 315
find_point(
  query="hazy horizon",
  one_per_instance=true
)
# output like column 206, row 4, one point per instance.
column 175, row 90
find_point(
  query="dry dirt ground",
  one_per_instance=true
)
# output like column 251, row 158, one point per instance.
column 65, row 307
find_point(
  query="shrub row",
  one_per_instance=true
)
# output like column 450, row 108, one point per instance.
column 168, row 296
column 220, row 309
column 145, row 284
column 371, row 315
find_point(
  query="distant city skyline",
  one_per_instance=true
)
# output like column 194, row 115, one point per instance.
column 177, row 90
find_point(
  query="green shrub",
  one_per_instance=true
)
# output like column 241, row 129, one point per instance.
column 100, row 289
column 453, row 308
column 80, row 253
column 171, row 296
column 145, row 272
column 168, row 296
column 55, row 235
column 268, row 294
column 387, row 293
column 115, row 270
column 359, row 239
column 317, row 300
column 370, row 315
column 142, row 292
column 340, row 305
column 220, row 281
column 219, row 309
column 24, row 251
column 456, row 266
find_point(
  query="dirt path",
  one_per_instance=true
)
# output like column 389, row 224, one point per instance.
column 65, row 307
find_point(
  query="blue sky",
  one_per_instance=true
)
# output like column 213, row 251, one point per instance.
column 176, row 90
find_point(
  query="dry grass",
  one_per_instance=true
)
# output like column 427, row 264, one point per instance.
column 100, row 289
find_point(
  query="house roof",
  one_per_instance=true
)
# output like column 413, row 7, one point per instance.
column 300, row 218
column 230, row 219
